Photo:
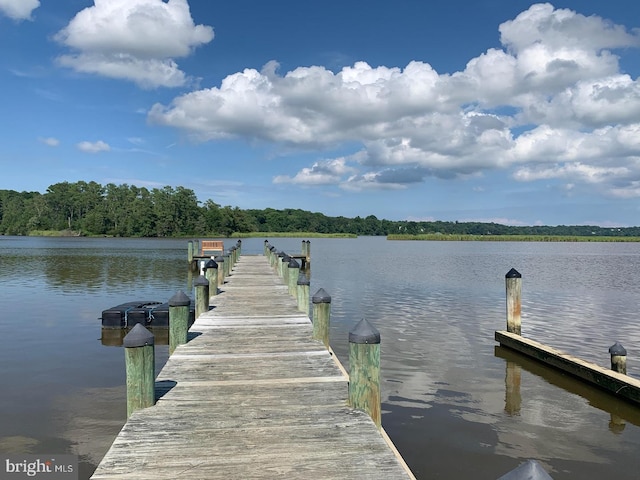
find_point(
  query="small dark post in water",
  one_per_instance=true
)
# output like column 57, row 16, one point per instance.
column 294, row 271
column 302, row 292
column 514, row 301
column 618, row 358
column 364, row 370
column 220, row 261
column 321, row 316
column 139, row 354
column 178, row 320
column 211, row 274
column 202, row 295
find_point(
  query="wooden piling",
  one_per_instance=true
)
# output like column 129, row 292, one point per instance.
column 178, row 320
column 618, row 358
column 292, row 279
column 364, row 370
column 220, row 261
column 139, row 352
column 302, row 292
column 321, row 316
column 201, row 286
column 190, row 251
column 513, row 281
column 211, row 274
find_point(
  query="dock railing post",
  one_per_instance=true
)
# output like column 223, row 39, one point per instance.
column 364, row 370
column 292, row 279
column 202, row 295
column 178, row 320
column 308, row 251
column 211, row 274
column 618, row 358
column 321, row 316
column 302, row 293
column 513, row 281
column 239, row 247
column 139, row 353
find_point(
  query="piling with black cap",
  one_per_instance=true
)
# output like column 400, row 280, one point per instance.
column 211, row 274
column 513, row 281
column 227, row 264
column 302, row 293
column 618, row 358
column 294, row 272
column 201, row 286
column 321, row 316
column 239, row 247
column 139, row 354
column 364, row 370
column 220, row 261
column 280, row 263
column 178, row 320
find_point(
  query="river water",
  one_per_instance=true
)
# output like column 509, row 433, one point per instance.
column 456, row 405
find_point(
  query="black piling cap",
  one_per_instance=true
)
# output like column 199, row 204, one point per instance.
column 201, row 282
column 266, row 241
column 321, row 296
column 302, row 279
column 211, row 264
column 513, row 273
column 293, row 263
column 617, row 350
column 364, row 332
column 138, row 337
column 272, row 248
column 180, row 299
column 219, row 259
column 239, row 242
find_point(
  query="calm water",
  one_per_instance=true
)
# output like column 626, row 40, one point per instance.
column 456, row 405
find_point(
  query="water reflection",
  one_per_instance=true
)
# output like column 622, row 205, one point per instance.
column 620, row 411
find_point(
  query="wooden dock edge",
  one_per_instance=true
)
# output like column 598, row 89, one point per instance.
column 383, row 432
column 614, row 382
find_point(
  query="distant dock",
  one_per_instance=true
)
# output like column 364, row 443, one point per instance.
column 251, row 395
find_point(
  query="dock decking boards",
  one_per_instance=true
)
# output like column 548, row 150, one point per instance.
column 251, row 396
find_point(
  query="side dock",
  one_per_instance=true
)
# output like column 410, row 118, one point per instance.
column 251, row 395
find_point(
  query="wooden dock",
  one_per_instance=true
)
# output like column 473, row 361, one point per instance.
column 251, row 396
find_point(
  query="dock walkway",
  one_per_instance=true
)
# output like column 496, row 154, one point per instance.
column 251, row 396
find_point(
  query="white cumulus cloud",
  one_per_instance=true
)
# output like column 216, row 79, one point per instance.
column 136, row 40
column 551, row 103
column 18, row 9
column 50, row 141
column 93, row 147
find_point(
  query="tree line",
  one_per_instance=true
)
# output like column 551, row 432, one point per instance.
column 88, row 208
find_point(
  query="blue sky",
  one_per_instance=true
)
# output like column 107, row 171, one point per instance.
column 495, row 110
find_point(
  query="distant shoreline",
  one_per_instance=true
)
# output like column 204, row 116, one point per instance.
column 510, row 238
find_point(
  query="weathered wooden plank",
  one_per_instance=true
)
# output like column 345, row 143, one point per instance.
column 251, row 396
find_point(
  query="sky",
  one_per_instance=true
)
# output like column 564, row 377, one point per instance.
column 502, row 111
